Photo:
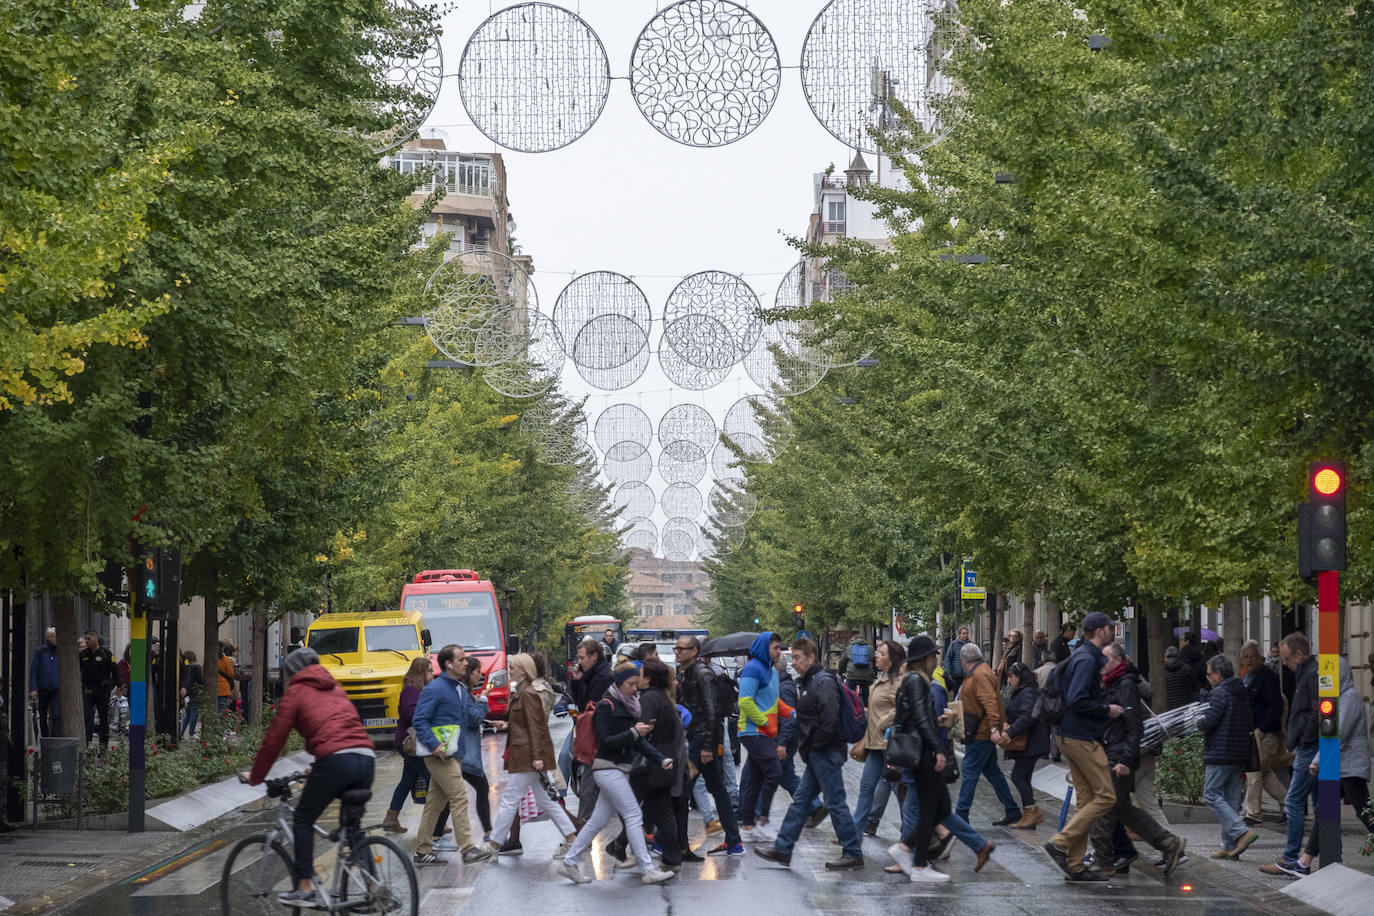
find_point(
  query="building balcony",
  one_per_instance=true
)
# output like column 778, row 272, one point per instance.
column 829, row 228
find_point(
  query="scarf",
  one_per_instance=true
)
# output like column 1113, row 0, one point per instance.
column 1111, row 676
column 631, row 702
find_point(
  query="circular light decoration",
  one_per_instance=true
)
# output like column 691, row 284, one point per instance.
column 705, row 72
column 711, row 320
column 535, row 368
column 744, row 428
column 687, row 423
column 682, row 462
column 410, row 65
column 623, row 432
column 639, row 539
column 730, row 507
column 776, row 364
column 861, row 56
column 685, row 375
column 725, row 464
column 561, row 436
column 481, row 299
column 681, row 500
column 620, row 471
column 678, row 545
column 811, row 341
column 534, row 77
column 634, row 499
column 605, row 318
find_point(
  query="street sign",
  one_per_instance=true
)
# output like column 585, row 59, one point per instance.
column 970, row 587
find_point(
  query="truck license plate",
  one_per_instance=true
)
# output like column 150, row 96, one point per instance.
column 379, row 723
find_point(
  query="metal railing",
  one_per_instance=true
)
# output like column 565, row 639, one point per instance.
column 830, row 228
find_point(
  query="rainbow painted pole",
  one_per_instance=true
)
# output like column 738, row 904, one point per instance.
column 1328, row 706
column 138, row 701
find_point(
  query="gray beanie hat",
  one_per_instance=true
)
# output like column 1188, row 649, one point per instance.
column 299, row 660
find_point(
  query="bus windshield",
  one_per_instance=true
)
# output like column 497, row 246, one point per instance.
column 467, row 619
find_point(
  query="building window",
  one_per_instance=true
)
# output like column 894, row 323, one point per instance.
column 835, row 212
column 459, row 174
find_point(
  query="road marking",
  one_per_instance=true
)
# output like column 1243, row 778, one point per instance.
column 157, row 871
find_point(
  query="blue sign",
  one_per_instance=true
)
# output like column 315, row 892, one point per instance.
column 804, row 634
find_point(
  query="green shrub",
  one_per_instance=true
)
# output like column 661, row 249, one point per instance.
column 1179, row 770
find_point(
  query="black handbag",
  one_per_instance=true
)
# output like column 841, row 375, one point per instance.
column 903, row 751
column 951, row 770
column 639, row 765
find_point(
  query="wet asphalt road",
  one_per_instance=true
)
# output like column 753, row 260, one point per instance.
column 1019, row 879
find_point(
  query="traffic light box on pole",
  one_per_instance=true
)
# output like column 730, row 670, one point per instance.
column 157, row 583
column 1321, row 552
column 799, row 617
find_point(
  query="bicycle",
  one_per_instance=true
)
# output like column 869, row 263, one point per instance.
column 371, row 875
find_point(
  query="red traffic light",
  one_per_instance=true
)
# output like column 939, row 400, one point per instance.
column 1327, row 706
column 796, row 609
column 1327, row 481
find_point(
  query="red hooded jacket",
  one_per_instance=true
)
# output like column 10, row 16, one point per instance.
column 319, row 709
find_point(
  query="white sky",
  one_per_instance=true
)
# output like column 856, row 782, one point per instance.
column 627, row 199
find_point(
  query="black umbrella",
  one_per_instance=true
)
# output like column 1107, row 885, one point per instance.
column 730, row 644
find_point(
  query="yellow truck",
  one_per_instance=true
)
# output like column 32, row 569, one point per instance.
column 369, row 653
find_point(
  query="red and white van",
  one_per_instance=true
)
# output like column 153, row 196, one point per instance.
column 460, row 607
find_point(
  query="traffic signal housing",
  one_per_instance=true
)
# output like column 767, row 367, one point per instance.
column 1329, row 711
column 157, row 582
column 1321, row 520
column 797, row 616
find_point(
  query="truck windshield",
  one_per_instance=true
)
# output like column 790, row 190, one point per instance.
column 338, row 639
column 400, row 638
column 466, row 619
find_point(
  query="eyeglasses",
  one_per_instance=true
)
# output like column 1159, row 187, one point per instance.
column 682, row 648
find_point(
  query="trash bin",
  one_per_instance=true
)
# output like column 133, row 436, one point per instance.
column 57, row 766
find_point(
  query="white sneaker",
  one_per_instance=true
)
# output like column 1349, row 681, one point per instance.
column 630, row 865
column 757, row 835
column 561, row 851
column 902, row 857
column 656, row 876
column 572, row 873
column 927, row 875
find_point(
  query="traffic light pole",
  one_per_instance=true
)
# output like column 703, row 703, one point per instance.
column 1329, row 687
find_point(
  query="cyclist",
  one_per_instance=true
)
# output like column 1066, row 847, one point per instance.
column 317, row 707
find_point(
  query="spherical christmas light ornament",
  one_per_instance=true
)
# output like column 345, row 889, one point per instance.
column 409, row 63
column 480, row 301
column 623, row 432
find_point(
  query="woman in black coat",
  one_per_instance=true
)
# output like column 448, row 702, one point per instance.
column 663, row 792
column 1024, row 741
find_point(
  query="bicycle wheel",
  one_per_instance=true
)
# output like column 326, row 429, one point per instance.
column 382, row 873
column 253, row 876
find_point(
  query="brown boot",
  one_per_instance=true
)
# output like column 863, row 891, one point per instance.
column 1029, row 818
column 392, row 822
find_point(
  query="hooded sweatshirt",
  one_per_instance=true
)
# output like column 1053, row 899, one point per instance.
column 1354, row 723
column 317, row 707
column 759, row 691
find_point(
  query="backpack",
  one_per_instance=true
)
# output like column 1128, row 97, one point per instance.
column 1049, row 705
column 585, row 745
column 853, row 717
column 860, row 654
column 726, row 694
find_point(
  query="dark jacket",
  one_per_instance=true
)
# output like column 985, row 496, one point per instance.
column 818, row 711
column 1060, row 649
column 1266, row 700
column 43, row 670
column 668, row 736
column 787, row 727
column 591, row 686
column 191, row 680
column 916, row 715
column 1121, row 738
column 954, row 665
column 1021, row 721
column 699, row 696
column 1302, row 711
column 1192, row 659
column 1085, row 710
column 405, row 711
column 616, row 738
column 317, row 707
column 1180, row 686
column 97, row 668
column 853, row 671
column 1226, row 724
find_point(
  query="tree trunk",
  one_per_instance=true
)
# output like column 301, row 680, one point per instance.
column 1028, row 629
column 1233, row 625
column 209, row 697
column 997, row 608
column 259, row 680
column 1157, row 638
column 1054, row 618
column 69, row 669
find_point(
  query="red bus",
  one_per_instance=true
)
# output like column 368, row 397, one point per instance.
column 460, row 607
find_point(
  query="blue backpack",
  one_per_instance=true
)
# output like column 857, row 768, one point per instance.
column 860, row 654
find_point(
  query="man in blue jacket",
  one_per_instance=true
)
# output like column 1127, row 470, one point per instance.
column 44, row 684
column 1080, row 741
column 445, row 701
column 1226, row 723
column 954, row 665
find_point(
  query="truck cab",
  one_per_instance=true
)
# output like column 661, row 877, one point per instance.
column 460, row 608
column 368, row 654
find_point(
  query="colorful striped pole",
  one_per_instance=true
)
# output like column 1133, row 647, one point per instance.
column 138, row 701
column 1328, row 824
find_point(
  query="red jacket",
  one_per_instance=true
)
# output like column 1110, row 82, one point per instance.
column 319, row 709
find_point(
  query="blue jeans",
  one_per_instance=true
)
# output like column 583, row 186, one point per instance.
column 789, row 781
column 189, row 718
column 959, row 826
column 1303, row 785
column 980, row 759
column 1223, row 787
column 824, row 777
column 870, row 805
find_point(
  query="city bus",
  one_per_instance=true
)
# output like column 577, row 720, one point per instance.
column 590, row 626
column 460, row 607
